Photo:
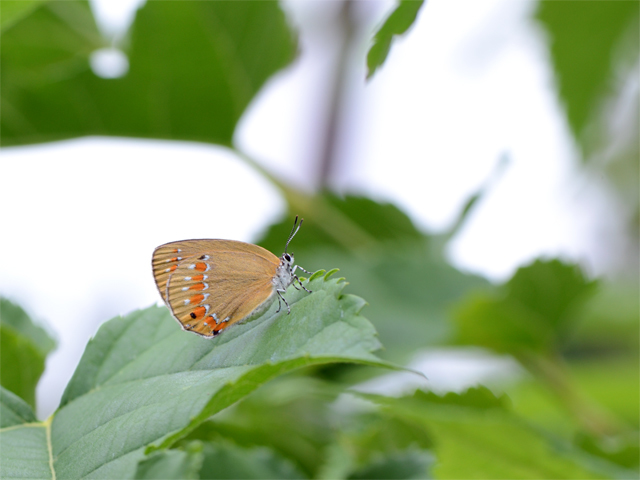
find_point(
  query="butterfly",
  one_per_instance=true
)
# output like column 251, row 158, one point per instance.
column 211, row 284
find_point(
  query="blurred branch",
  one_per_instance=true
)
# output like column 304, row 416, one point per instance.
column 472, row 202
column 328, row 218
column 554, row 373
column 337, row 94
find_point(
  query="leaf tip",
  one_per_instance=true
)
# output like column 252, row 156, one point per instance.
column 330, row 272
column 317, row 274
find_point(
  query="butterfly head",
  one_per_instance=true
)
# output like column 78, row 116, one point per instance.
column 287, row 259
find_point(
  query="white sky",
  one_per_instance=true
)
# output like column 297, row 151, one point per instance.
column 455, row 94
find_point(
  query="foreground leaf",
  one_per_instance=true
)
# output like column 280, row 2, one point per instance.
column 144, row 382
column 24, row 443
column 23, row 349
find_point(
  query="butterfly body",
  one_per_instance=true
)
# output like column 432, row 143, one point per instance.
column 211, row 284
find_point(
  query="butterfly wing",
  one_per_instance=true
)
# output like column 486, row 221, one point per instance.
column 167, row 257
column 216, row 283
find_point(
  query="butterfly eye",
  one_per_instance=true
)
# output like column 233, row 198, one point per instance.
column 287, row 257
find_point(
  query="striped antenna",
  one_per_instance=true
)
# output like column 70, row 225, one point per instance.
column 294, row 230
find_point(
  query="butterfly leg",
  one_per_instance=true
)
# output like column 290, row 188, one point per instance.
column 279, row 303
column 303, row 287
column 298, row 266
column 296, row 277
column 280, row 297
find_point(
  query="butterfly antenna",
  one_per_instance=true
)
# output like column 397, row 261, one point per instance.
column 294, row 230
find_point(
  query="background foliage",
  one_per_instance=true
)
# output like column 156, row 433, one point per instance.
column 274, row 399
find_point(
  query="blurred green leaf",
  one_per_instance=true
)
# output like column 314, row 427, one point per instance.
column 396, row 24
column 584, row 39
column 14, row 316
column 297, row 418
column 143, row 383
column 382, row 223
column 377, row 436
column 23, row 349
column 610, row 323
column 13, row 10
column 612, row 382
column 382, row 446
column 478, row 437
column 14, row 410
column 400, row 271
column 533, row 312
column 620, row 450
column 223, row 460
column 410, row 464
column 194, row 68
column 172, row 464
column 289, row 415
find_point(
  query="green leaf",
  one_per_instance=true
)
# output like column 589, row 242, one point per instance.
column 584, row 39
column 620, row 451
column 225, row 460
column 143, row 382
column 533, row 311
column 396, row 24
column 377, row 445
column 194, row 68
column 12, row 11
column 381, row 223
column 476, row 436
column 14, row 410
column 611, row 322
column 172, row 464
column 613, row 382
column 14, row 316
column 25, row 451
column 411, row 464
column 290, row 416
column 23, row 348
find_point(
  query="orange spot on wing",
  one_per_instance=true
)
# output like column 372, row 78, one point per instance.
column 174, row 259
column 175, row 250
column 196, row 299
column 198, row 278
column 197, row 286
column 173, row 267
column 199, row 312
column 201, row 267
column 219, row 328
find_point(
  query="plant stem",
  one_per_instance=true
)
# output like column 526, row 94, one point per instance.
column 337, row 94
column 553, row 371
column 328, row 218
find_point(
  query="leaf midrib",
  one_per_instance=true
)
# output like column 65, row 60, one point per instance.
column 47, row 425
